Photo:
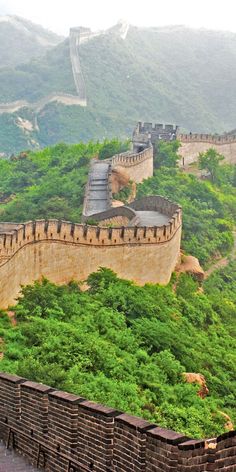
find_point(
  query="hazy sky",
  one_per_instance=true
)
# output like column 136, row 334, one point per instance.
column 59, row 15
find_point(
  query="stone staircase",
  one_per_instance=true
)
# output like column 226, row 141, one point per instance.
column 97, row 198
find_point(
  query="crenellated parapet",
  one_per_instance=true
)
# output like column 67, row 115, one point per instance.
column 59, row 231
column 136, row 165
column 194, row 143
column 146, row 132
column 149, row 230
column 59, row 431
column 129, row 159
column 207, row 138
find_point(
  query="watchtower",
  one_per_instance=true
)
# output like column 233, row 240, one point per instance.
column 146, row 134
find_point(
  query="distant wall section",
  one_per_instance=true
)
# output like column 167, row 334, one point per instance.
column 193, row 144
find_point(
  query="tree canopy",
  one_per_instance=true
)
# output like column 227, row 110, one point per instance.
column 210, row 161
column 128, row 346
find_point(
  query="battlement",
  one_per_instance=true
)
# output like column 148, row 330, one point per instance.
column 207, row 138
column 32, row 232
column 146, row 133
column 128, row 159
column 193, row 143
column 59, row 431
column 62, row 251
column 147, row 127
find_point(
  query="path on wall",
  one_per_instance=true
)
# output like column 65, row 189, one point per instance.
column 97, row 198
column 65, row 99
column 76, row 66
column 224, row 261
column 98, row 194
column 12, row 462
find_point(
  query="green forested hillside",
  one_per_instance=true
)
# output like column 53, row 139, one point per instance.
column 50, row 184
column 128, row 346
column 39, row 77
column 171, row 74
column 21, row 40
column 117, row 343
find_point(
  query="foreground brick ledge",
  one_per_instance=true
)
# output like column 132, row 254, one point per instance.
column 71, row 428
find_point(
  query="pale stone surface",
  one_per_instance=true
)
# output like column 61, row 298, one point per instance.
column 12, row 462
column 190, row 151
column 61, row 262
column 136, row 166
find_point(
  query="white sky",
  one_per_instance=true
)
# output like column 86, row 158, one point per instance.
column 60, row 15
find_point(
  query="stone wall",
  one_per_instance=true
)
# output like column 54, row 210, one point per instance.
column 75, row 62
column 62, row 432
column 149, row 132
column 193, row 144
column 138, row 166
column 64, row 98
column 63, row 251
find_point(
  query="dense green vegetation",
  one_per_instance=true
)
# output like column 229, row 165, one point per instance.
column 160, row 74
column 128, row 346
column 49, row 183
column 46, row 184
column 40, row 77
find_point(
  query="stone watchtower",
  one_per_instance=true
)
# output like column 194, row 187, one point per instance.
column 146, row 134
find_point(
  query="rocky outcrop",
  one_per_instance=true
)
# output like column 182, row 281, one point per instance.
column 199, row 379
column 190, row 265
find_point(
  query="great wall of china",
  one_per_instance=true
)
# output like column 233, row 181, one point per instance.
column 122, row 238
column 78, row 36
column 192, row 144
column 62, row 432
column 118, row 238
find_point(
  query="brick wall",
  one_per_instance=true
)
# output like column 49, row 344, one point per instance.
column 98, row 438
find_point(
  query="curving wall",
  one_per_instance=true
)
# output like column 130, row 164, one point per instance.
column 63, row 251
column 64, row 98
column 193, row 144
column 138, row 166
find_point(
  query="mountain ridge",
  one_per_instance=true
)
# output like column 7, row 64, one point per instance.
column 168, row 74
column 21, row 40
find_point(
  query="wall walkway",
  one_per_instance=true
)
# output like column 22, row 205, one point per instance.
column 98, row 195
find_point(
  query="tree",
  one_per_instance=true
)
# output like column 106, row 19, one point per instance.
column 110, row 148
column 210, row 161
column 166, row 154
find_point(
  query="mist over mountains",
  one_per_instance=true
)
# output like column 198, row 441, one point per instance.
column 21, row 40
column 169, row 74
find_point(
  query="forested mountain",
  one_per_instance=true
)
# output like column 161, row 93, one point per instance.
column 21, row 40
column 169, row 74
